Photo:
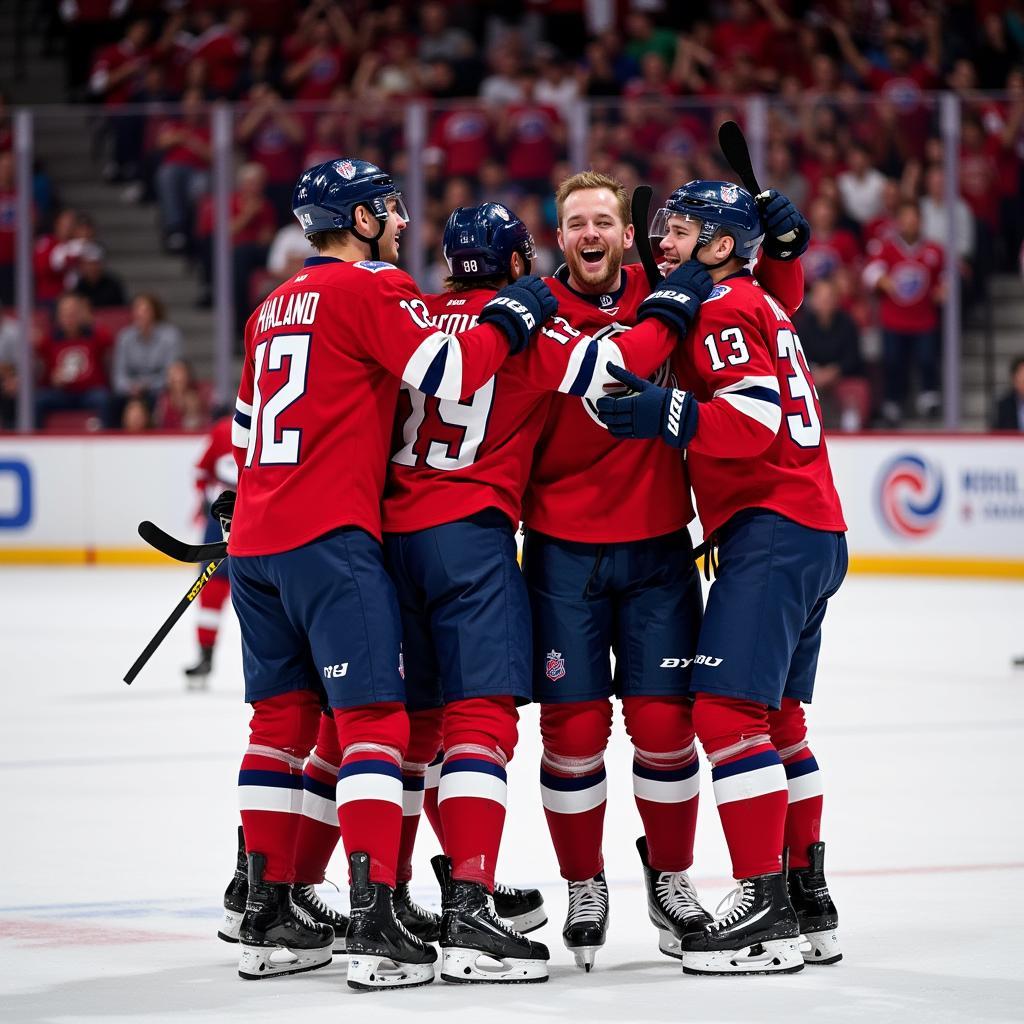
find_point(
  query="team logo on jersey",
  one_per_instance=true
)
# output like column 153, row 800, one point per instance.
column 374, row 266
column 718, row 291
column 605, row 301
column 729, row 193
column 346, row 169
column 554, row 665
column 910, row 492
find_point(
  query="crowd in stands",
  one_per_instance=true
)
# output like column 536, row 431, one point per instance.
column 853, row 130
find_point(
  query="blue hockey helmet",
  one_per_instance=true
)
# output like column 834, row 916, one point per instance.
column 326, row 196
column 719, row 206
column 479, row 241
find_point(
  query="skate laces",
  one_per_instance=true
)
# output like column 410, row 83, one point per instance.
column 309, row 893
column 415, row 908
column 588, row 901
column 304, row 916
column 677, row 895
column 505, row 890
column 735, row 903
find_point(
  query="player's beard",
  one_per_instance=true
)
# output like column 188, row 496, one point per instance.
column 602, row 278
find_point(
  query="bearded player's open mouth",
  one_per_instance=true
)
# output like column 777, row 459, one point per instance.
column 592, row 256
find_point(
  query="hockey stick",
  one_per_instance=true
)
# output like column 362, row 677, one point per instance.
column 734, row 149
column 640, row 213
column 179, row 550
column 193, row 592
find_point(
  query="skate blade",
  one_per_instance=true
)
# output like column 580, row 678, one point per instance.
column 471, row 967
column 368, row 972
column 339, row 943
column 528, row 922
column 584, row 956
column 259, row 962
column 228, row 930
column 669, row 944
column 780, row 956
column 820, row 948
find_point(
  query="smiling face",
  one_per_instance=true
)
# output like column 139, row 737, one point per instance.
column 398, row 218
column 593, row 237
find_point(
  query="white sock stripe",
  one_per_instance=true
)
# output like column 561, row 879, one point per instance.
column 572, row 765
column 278, row 755
column 480, row 785
column 803, row 787
column 208, row 618
column 785, row 753
column 432, row 776
column 325, row 766
column 270, row 798
column 416, row 768
column 370, row 786
column 747, row 743
column 319, row 808
column 659, row 792
column 372, row 748
column 672, row 759
column 412, row 802
column 495, row 754
column 747, row 785
column 574, row 801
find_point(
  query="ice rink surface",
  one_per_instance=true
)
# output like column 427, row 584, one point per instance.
column 118, row 812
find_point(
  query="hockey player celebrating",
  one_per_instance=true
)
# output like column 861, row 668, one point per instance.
column 747, row 415
column 450, row 512
column 610, row 568
column 324, row 355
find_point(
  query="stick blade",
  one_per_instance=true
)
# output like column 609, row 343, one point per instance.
column 640, row 214
column 734, row 148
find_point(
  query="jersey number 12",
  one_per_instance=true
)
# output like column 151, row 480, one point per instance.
column 277, row 447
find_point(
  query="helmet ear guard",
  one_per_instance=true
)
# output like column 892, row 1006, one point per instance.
column 479, row 241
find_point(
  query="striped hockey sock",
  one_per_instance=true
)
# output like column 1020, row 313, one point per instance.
column 270, row 798
column 318, row 832
column 574, row 792
column 667, row 787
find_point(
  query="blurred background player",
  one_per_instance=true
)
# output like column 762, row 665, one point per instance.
column 610, row 570
column 751, row 426
column 318, row 614
column 215, row 472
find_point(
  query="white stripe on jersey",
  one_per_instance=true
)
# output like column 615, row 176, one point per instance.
column 422, row 359
column 771, row 383
column 766, row 413
column 239, row 435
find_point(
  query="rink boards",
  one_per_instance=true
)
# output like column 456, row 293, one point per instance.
column 917, row 504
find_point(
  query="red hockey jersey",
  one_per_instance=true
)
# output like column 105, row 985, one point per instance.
column 759, row 442
column 452, row 459
column 216, row 468
column 324, row 355
column 915, row 272
column 584, row 485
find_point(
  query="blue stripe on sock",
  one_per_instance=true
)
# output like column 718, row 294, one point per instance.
column 252, row 777
column 798, row 768
column 413, row 783
column 370, row 766
column 474, row 764
column 574, row 784
column 666, row 774
column 746, row 764
column 325, row 789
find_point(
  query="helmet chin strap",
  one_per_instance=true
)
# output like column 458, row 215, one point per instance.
column 372, row 241
column 712, row 266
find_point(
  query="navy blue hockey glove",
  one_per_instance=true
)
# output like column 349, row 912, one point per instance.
column 519, row 309
column 653, row 411
column 786, row 231
column 223, row 510
column 676, row 301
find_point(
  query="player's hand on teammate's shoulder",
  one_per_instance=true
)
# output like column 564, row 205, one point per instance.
column 676, row 301
column 648, row 410
column 520, row 309
column 786, row 231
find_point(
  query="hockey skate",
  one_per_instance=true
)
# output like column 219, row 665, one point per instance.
column 478, row 946
column 382, row 954
column 758, row 934
column 586, row 923
column 817, row 914
column 235, row 895
column 523, row 909
column 196, row 675
column 417, row 920
column 276, row 937
column 672, row 904
column 305, row 897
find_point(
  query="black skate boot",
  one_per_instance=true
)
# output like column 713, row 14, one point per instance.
column 586, row 923
column 522, row 908
column 381, row 952
column 196, row 675
column 672, row 904
column 235, row 895
column 758, row 934
column 817, row 914
column 305, row 897
column 422, row 923
column 478, row 946
column 277, row 938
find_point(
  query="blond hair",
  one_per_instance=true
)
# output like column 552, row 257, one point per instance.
column 592, row 179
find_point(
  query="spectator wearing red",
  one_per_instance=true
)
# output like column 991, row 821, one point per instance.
column 460, row 140
column 531, row 135
column 885, row 223
column 183, row 175
column 74, row 354
column 906, row 271
column 272, row 135
column 54, row 256
column 222, row 46
column 746, row 33
column 834, row 251
column 318, row 55
column 263, row 66
column 979, row 173
column 118, row 69
column 184, row 402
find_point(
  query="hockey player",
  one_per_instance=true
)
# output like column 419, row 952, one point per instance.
column 747, row 415
column 609, row 566
column 324, row 355
column 450, row 512
column 215, row 471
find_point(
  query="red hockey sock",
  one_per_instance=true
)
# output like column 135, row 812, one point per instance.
column 666, row 777
column 431, row 781
column 479, row 739
column 803, row 818
column 281, row 733
column 373, row 740
column 211, row 600
column 573, row 785
column 750, row 782
column 424, row 739
column 318, row 828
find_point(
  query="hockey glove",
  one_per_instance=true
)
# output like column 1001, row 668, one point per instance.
column 676, row 301
column 520, row 309
column 652, row 411
column 223, row 509
column 786, row 231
